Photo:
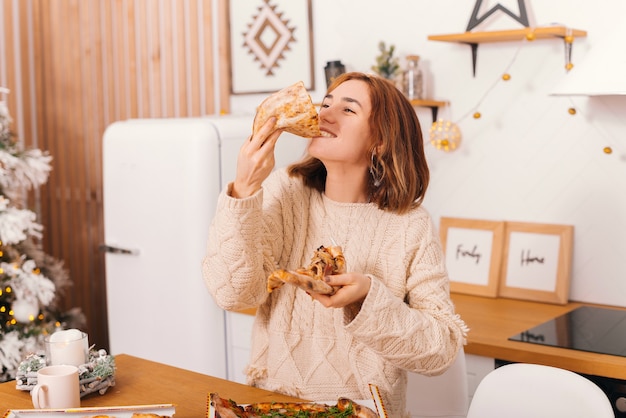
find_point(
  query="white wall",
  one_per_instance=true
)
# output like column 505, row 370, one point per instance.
column 527, row 159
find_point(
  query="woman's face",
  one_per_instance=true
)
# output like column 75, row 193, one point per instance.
column 344, row 122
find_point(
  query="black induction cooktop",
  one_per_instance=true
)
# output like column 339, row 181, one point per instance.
column 588, row 328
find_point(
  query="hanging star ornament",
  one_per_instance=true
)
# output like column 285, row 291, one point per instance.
column 476, row 20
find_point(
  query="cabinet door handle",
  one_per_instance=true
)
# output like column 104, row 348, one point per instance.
column 117, row 250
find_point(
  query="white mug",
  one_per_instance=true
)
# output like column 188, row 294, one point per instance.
column 57, row 387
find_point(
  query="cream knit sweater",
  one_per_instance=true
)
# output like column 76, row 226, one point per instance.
column 406, row 322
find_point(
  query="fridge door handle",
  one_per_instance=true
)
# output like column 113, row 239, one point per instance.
column 113, row 249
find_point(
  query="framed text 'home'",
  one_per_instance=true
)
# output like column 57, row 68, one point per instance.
column 537, row 262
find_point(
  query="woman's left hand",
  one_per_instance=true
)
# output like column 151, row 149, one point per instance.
column 353, row 288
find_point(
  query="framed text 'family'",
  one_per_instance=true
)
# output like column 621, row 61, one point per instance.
column 537, row 262
column 271, row 45
column 473, row 253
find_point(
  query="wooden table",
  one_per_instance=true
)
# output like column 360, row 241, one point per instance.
column 493, row 320
column 143, row 382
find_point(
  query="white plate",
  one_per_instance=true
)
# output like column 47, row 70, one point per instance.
column 119, row 411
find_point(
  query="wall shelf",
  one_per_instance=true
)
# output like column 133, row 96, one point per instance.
column 434, row 105
column 475, row 38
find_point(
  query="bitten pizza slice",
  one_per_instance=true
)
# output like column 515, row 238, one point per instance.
column 325, row 261
column 293, row 109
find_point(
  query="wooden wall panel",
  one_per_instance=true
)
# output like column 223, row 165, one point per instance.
column 73, row 68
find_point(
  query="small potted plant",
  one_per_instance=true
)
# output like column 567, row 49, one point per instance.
column 387, row 65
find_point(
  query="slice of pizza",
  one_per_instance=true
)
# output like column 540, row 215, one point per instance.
column 293, row 109
column 325, row 261
column 344, row 408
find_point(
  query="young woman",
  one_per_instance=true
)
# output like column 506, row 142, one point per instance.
column 360, row 186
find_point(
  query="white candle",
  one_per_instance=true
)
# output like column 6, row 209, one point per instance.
column 68, row 347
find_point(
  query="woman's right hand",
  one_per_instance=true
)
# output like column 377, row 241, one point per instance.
column 256, row 160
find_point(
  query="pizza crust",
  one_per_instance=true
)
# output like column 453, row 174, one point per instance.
column 293, row 109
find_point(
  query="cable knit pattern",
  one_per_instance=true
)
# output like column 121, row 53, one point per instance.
column 406, row 322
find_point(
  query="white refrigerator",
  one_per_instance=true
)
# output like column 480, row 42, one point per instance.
column 161, row 179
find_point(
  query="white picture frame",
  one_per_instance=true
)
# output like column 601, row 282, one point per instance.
column 473, row 253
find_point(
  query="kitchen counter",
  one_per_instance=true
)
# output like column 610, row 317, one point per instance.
column 493, row 320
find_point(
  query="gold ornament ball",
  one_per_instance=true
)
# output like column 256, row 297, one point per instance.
column 569, row 66
column 608, row 150
column 569, row 39
column 506, row 77
column 571, row 111
column 445, row 135
column 477, row 115
column 530, row 36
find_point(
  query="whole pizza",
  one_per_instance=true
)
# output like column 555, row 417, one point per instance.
column 344, row 408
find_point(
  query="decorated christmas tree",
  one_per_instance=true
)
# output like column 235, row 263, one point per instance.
column 31, row 281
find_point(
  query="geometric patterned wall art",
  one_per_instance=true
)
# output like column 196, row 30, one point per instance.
column 271, row 45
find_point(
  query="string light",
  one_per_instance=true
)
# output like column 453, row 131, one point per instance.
column 506, row 76
column 440, row 138
column 572, row 111
column 445, row 135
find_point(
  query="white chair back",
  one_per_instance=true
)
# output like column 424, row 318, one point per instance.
column 522, row 390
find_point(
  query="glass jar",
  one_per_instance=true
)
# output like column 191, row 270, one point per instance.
column 413, row 78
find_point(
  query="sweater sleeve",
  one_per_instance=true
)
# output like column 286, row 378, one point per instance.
column 420, row 333
column 242, row 246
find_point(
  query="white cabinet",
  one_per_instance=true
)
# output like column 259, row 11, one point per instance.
column 477, row 368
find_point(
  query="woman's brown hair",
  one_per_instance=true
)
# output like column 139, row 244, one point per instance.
column 398, row 148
